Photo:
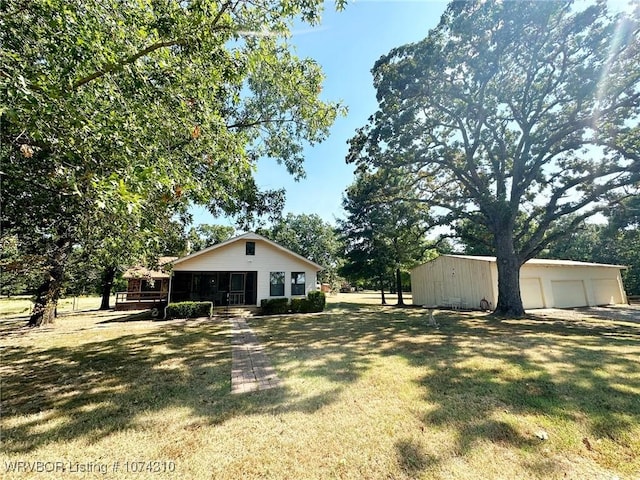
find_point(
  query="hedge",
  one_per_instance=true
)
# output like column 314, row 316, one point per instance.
column 189, row 310
column 299, row 305
column 315, row 302
column 274, row 306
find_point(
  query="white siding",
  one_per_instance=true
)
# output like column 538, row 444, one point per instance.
column 494, row 285
column 438, row 281
column 606, row 291
column 565, row 286
column 419, row 286
column 267, row 258
column 531, row 293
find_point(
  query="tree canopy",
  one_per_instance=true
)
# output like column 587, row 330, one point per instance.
column 381, row 234
column 513, row 116
column 140, row 108
column 615, row 242
column 311, row 237
column 205, row 235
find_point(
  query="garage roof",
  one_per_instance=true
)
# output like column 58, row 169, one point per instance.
column 541, row 261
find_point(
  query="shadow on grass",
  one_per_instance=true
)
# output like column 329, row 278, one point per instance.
column 483, row 371
column 565, row 371
column 97, row 388
column 129, row 317
column 18, row 326
column 89, row 391
column 571, row 371
column 412, row 458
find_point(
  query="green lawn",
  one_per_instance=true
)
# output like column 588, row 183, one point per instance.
column 20, row 306
column 369, row 392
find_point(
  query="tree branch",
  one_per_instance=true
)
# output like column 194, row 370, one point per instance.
column 254, row 123
column 112, row 67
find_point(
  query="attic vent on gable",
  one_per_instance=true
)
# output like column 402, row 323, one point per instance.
column 250, row 248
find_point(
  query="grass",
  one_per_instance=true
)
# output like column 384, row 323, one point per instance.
column 369, row 392
column 21, row 305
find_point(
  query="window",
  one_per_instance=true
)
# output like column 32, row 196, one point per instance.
column 250, row 248
column 277, row 284
column 297, row 283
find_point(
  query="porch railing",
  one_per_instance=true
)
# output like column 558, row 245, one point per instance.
column 141, row 297
column 220, row 298
column 236, row 298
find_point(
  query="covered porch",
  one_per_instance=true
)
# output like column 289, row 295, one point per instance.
column 223, row 288
column 144, row 293
column 146, row 288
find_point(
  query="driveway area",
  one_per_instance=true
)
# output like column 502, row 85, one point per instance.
column 625, row 313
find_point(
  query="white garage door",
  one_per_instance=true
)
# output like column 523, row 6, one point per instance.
column 531, row 292
column 606, row 291
column 568, row 293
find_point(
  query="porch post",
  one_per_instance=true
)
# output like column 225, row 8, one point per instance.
column 169, row 292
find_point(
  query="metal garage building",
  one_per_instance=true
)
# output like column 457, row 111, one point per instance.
column 463, row 281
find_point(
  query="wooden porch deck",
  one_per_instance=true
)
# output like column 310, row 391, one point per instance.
column 140, row 300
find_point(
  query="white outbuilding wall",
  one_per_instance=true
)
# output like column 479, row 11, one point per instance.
column 561, row 283
column 543, row 283
column 451, row 276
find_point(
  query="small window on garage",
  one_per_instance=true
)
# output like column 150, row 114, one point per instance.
column 250, row 248
column 297, row 283
column 276, row 287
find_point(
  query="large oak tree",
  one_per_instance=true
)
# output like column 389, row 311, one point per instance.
column 129, row 108
column 513, row 116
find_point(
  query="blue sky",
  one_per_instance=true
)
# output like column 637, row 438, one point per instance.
column 346, row 44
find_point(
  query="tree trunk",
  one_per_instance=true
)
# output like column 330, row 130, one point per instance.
column 47, row 296
column 46, row 302
column 108, row 276
column 384, row 301
column 399, row 287
column 509, row 298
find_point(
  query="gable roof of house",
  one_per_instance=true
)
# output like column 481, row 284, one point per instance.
column 540, row 261
column 249, row 236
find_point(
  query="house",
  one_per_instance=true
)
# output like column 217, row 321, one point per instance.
column 242, row 271
column 464, row 281
column 145, row 287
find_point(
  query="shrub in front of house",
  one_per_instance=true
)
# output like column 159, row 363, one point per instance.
column 274, row 306
column 317, row 301
column 190, row 310
column 299, row 305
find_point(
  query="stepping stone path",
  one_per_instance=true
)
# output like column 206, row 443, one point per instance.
column 250, row 368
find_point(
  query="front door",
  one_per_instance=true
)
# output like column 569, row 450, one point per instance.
column 236, row 289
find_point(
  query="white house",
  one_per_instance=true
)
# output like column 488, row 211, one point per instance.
column 463, row 280
column 242, row 271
